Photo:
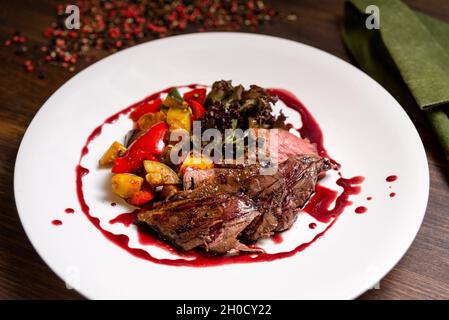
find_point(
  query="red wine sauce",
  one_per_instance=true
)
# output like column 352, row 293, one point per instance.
column 391, row 178
column 56, row 222
column 277, row 238
column 69, row 210
column 126, row 218
column 360, row 210
column 318, row 205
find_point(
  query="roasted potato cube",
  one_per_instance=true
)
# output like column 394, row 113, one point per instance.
column 159, row 174
column 115, row 150
column 179, row 118
column 125, row 184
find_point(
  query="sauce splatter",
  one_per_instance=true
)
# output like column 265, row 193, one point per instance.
column 56, row 222
column 277, row 238
column 369, row 198
column 69, row 210
column 391, row 178
column 113, row 204
column 393, row 194
column 312, row 225
column 360, row 210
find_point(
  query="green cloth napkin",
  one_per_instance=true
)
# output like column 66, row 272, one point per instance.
column 408, row 55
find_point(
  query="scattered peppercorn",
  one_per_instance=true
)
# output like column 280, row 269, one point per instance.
column 108, row 26
column 28, row 65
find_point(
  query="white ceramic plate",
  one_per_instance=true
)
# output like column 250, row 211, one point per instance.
column 365, row 129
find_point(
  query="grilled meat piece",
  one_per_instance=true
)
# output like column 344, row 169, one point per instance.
column 228, row 204
column 202, row 219
column 280, row 197
column 231, row 176
column 282, row 144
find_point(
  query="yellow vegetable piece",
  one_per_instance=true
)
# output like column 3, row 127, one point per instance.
column 179, row 118
column 115, row 150
column 125, row 184
column 159, row 174
column 196, row 162
column 149, row 119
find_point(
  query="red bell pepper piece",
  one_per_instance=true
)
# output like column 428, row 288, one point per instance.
column 153, row 139
column 145, row 147
column 197, row 110
column 141, row 197
column 147, row 107
column 198, row 95
column 131, row 161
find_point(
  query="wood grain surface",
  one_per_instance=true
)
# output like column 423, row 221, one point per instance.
column 423, row 273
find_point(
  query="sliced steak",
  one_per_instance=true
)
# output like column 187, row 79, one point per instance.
column 231, row 176
column 282, row 144
column 212, row 221
column 280, row 196
column 227, row 204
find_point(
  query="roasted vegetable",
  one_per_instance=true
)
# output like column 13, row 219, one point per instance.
column 197, row 110
column 179, row 118
column 173, row 99
column 196, row 162
column 168, row 191
column 145, row 147
column 159, row 174
column 197, row 95
column 125, row 185
column 149, row 119
column 132, row 161
column 115, row 150
column 131, row 136
column 146, row 107
column 141, row 197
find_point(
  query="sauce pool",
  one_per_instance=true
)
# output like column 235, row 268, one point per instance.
column 318, row 205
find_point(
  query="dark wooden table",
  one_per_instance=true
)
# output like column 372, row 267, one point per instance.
column 423, row 273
